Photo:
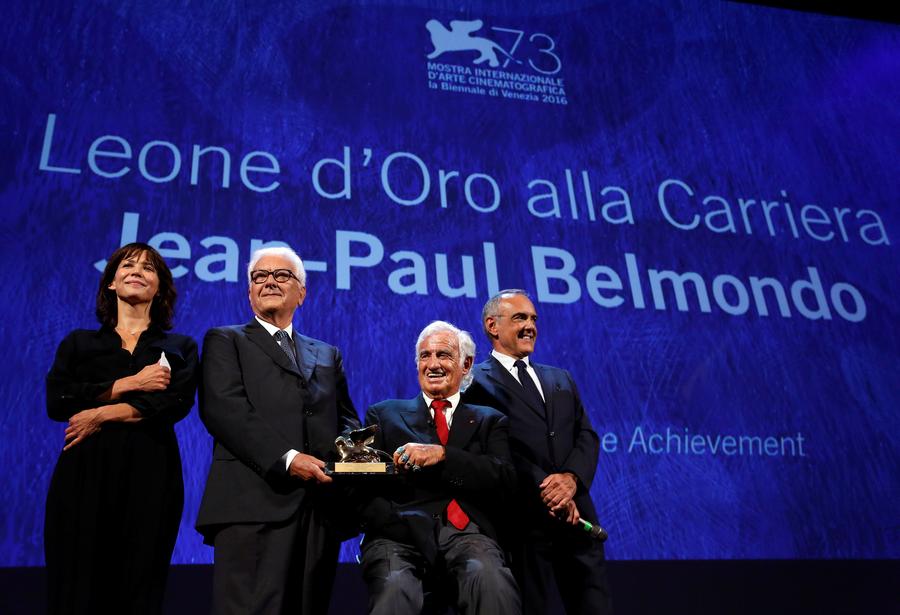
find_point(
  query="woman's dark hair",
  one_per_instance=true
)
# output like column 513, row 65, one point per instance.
column 163, row 307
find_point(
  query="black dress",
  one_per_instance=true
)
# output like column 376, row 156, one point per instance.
column 115, row 498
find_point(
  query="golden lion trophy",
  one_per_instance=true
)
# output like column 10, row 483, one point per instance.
column 357, row 457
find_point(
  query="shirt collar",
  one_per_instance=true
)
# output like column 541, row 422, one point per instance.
column 272, row 329
column 453, row 399
column 508, row 362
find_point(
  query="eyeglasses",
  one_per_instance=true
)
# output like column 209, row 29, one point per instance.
column 259, row 276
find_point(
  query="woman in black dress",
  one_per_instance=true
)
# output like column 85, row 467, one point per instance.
column 116, row 494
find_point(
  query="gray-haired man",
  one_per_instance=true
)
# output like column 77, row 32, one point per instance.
column 437, row 520
column 274, row 401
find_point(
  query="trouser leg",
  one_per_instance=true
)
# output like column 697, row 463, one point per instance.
column 484, row 583
column 580, row 572
column 316, row 548
column 532, row 566
column 274, row 569
column 393, row 573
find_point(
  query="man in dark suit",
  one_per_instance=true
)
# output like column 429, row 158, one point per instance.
column 555, row 452
column 274, row 401
column 435, row 521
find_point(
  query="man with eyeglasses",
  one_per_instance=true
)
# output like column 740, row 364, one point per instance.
column 274, row 400
column 555, row 451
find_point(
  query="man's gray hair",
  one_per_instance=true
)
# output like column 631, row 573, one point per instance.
column 493, row 304
column 283, row 252
column 465, row 341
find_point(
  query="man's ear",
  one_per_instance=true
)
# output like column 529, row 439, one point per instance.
column 490, row 325
column 467, row 364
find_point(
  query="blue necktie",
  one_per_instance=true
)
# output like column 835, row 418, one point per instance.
column 287, row 346
column 527, row 383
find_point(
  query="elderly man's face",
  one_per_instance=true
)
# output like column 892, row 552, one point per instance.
column 440, row 368
column 273, row 300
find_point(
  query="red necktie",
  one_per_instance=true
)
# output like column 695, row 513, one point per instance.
column 455, row 514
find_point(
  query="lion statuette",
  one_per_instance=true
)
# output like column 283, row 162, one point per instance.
column 354, row 447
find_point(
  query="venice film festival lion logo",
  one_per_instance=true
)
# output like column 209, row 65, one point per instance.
column 459, row 38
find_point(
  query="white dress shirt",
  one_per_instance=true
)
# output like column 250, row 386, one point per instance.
column 448, row 411
column 509, row 364
column 272, row 329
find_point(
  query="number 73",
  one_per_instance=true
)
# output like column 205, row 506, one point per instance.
column 545, row 51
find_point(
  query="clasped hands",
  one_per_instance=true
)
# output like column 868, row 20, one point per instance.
column 413, row 456
column 557, row 491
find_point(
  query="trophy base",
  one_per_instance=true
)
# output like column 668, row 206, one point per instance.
column 352, row 468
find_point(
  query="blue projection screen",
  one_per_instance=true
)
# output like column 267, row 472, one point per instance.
column 700, row 196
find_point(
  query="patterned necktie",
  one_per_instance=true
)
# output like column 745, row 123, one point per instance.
column 527, row 383
column 287, row 346
column 455, row 514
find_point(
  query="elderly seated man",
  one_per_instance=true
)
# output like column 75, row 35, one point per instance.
column 437, row 519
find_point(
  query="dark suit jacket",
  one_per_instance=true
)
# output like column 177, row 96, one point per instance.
column 558, row 439
column 477, row 472
column 257, row 407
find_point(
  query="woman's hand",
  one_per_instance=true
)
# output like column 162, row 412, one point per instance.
column 89, row 421
column 154, row 377
column 82, row 425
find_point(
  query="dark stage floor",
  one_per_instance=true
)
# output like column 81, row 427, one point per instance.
column 639, row 588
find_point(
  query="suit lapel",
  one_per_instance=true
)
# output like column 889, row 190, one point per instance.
column 503, row 378
column 465, row 424
column 547, row 386
column 417, row 418
column 259, row 336
column 306, row 355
